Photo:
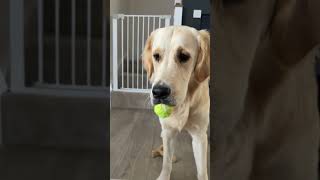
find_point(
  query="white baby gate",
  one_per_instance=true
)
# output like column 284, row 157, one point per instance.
column 72, row 63
column 129, row 33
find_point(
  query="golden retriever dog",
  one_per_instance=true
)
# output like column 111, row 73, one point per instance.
column 177, row 61
column 264, row 114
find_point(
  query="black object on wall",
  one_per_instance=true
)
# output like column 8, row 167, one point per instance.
column 198, row 23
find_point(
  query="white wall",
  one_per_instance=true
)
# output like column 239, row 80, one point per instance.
column 141, row 6
column 151, row 7
column 119, row 6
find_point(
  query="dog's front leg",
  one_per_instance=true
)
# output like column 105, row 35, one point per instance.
column 200, row 145
column 168, row 138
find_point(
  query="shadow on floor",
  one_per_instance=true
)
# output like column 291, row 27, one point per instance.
column 35, row 163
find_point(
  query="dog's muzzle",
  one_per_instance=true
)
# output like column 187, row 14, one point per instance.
column 161, row 94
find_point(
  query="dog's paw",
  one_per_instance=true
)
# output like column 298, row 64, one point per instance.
column 158, row 152
column 174, row 159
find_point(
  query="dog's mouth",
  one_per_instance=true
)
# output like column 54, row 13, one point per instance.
column 168, row 101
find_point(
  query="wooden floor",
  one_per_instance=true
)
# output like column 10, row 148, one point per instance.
column 35, row 163
column 134, row 133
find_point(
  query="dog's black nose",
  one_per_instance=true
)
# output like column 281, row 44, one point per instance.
column 161, row 91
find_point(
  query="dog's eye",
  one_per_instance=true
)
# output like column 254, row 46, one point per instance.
column 156, row 57
column 183, row 57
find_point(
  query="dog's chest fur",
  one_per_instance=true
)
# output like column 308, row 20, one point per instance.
column 193, row 113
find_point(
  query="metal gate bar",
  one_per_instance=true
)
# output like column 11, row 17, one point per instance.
column 57, row 41
column 104, row 42
column 89, row 42
column 73, row 42
column 40, row 40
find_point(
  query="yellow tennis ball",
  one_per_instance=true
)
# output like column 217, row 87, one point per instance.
column 163, row 110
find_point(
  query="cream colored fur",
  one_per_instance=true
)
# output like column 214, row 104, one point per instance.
column 189, row 89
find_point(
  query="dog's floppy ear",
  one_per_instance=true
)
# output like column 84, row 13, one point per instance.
column 147, row 56
column 202, row 68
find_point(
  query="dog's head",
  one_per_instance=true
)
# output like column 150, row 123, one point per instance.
column 175, row 57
